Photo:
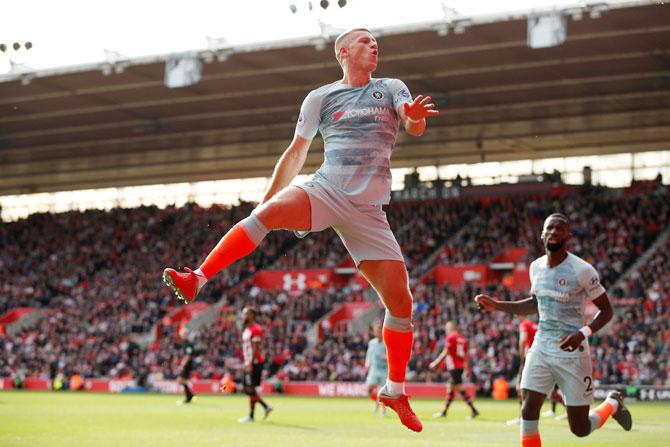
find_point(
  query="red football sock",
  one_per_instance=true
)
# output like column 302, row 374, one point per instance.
column 531, row 440
column 398, row 352
column 604, row 411
column 530, row 434
column 234, row 245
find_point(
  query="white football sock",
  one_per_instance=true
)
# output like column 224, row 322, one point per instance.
column 395, row 388
column 202, row 279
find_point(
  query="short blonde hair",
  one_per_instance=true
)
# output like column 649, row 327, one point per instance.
column 342, row 40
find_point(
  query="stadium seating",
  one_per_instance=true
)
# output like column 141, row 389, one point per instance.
column 97, row 275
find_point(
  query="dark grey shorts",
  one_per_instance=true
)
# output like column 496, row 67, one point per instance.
column 363, row 229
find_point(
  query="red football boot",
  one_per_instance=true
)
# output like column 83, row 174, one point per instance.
column 184, row 285
column 400, row 404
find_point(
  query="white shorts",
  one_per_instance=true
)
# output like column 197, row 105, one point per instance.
column 571, row 374
column 363, row 229
column 376, row 377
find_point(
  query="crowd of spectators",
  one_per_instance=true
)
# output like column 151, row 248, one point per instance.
column 96, row 275
column 419, row 226
column 285, row 318
column 609, row 231
column 633, row 349
column 637, row 349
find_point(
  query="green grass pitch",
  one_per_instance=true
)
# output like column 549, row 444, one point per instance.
column 76, row 419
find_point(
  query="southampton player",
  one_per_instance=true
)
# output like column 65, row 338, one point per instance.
column 458, row 361
column 185, row 367
column 253, row 363
column 527, row 330
column 358, row 117
column 376, row 365
column 555, row 399
column 561, row 283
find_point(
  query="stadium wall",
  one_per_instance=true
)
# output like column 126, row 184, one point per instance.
column 322, row 389
column 326, row 389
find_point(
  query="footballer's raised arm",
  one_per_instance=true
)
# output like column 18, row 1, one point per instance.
column 522, row 307
column 412, row 113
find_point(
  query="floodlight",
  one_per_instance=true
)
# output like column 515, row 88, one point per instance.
column 546, row 30
column 182, row 71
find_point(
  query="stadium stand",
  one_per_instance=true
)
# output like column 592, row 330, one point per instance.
column 610, row 230
column 95, row 305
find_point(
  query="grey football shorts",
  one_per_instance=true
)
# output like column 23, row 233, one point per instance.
column 571, row 374
column 376, row 377
column 363, row 229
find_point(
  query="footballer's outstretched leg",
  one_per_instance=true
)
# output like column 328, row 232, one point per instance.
column 241, row 240
column 289, row 208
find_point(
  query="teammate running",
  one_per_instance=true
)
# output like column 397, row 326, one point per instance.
column 185, row 367
column 358, row 117
column 458, row 360
column 253, row 363
column 561, row 283
column 376, row 364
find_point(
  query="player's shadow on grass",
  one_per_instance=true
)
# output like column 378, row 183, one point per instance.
column 299, row 427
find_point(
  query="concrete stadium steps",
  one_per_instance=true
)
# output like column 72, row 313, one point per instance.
column 20, row 318
column 419, row 272
column 342, row 315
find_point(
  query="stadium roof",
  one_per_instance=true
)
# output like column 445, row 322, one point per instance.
column 605, row 90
